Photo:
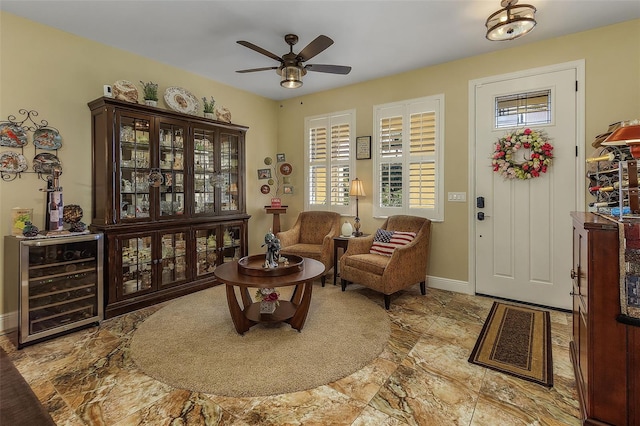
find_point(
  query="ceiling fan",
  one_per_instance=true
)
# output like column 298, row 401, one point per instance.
column 292, row 66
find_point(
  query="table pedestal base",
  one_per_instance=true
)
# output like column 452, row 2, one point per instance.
column 293, row 312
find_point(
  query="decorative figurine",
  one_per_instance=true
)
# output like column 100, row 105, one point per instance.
column 273, row 250
column 29, row 230
column 72, row 214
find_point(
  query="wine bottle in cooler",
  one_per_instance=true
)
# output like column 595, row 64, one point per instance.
column 54, row 213
column 610, row 156
column 60, row 210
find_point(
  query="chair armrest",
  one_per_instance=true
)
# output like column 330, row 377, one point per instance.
column 360, row 245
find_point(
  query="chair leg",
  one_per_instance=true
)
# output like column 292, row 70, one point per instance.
column 323, row 279
column 423, row 288
column 387, row 301
column 344, row 284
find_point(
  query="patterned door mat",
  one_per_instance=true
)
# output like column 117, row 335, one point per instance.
column 516, row 340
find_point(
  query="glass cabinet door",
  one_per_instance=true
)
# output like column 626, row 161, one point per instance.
column 231, row 246
column 229, row 171
column 137, row 261
column 204, row 172
column 174, row 258
column 171, row 164
column 207, row 250
column 135, row 167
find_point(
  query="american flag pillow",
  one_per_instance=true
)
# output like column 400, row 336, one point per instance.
column 384, row 242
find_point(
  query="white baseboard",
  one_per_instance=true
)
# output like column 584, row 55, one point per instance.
column 8, row 322
column 450, row 285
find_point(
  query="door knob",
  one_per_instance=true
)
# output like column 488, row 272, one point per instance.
column 481, row 216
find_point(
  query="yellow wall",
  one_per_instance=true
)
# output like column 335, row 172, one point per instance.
column 57, row 73
column 612, row 61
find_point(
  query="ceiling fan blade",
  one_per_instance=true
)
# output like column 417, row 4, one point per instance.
column 259, row 50
column 316, row 46
column 333, row 69
column 258, row 69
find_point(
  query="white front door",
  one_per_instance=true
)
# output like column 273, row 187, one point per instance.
column 523, row 246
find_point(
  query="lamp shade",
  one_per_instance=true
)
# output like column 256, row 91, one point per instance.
column 357, row 188
column 291, row 77
column 511, row 22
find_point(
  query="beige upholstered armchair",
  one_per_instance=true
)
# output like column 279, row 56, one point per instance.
column 312, row 236
column 406, row 266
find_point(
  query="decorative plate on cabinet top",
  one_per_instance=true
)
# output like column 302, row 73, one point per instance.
column 45, row 163
column 124, row 90
column 47, row 138
column 181, row 100
column 12, row 135
column 12, row 162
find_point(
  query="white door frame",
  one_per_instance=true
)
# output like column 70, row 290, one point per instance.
column 579, row 67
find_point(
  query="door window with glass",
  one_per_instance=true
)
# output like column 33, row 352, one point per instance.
column 329, row 161
column 408, row 158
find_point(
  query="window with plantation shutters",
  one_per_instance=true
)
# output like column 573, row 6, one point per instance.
column 408, row 158
column 329, row 161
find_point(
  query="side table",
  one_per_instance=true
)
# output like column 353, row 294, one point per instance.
column 276, row 212
column 342, row 242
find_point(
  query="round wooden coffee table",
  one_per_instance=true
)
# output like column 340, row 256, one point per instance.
column 292, row 311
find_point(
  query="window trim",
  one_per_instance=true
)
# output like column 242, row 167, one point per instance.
column 435, row 103
column 348, row 116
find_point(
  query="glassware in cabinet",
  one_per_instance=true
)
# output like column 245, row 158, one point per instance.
column 135, row 167
column 172, row 169
column 229, row 172
column 205, row 176
column 174, row 262
column 137, row 262
column 206, row 250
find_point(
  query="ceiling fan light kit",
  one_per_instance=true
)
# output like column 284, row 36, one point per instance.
column 291, row 76
column 511, row 22
column 292, row 68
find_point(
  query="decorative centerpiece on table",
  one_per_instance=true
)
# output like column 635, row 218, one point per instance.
column 273, row 250
column 269, row 300
column 150, row 93
column 208, row 107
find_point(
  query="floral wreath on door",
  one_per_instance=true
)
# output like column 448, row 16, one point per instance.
column 541, row 154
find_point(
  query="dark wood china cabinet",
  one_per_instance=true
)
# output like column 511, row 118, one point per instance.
column 168, row 194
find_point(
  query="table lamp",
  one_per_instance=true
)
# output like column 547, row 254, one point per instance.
column 357, row 189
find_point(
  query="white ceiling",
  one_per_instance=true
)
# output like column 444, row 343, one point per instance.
column 376, row 38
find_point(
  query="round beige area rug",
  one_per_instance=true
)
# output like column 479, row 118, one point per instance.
column 191, row 344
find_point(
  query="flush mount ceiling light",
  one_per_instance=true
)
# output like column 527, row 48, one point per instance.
column 511, row 22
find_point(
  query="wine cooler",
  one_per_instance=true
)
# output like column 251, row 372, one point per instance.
column 60, row 283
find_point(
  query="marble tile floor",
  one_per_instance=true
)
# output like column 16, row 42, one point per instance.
column 421, row 378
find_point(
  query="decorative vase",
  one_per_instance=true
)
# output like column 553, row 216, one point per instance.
column 150, row 102
column 209, row 115
column 347, row 229
column 267, row 307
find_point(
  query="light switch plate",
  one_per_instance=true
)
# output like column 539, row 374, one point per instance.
column 460, row 197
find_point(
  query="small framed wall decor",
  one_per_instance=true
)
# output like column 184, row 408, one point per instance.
column 363, row 148
column 264, row 173
column 280, row 158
